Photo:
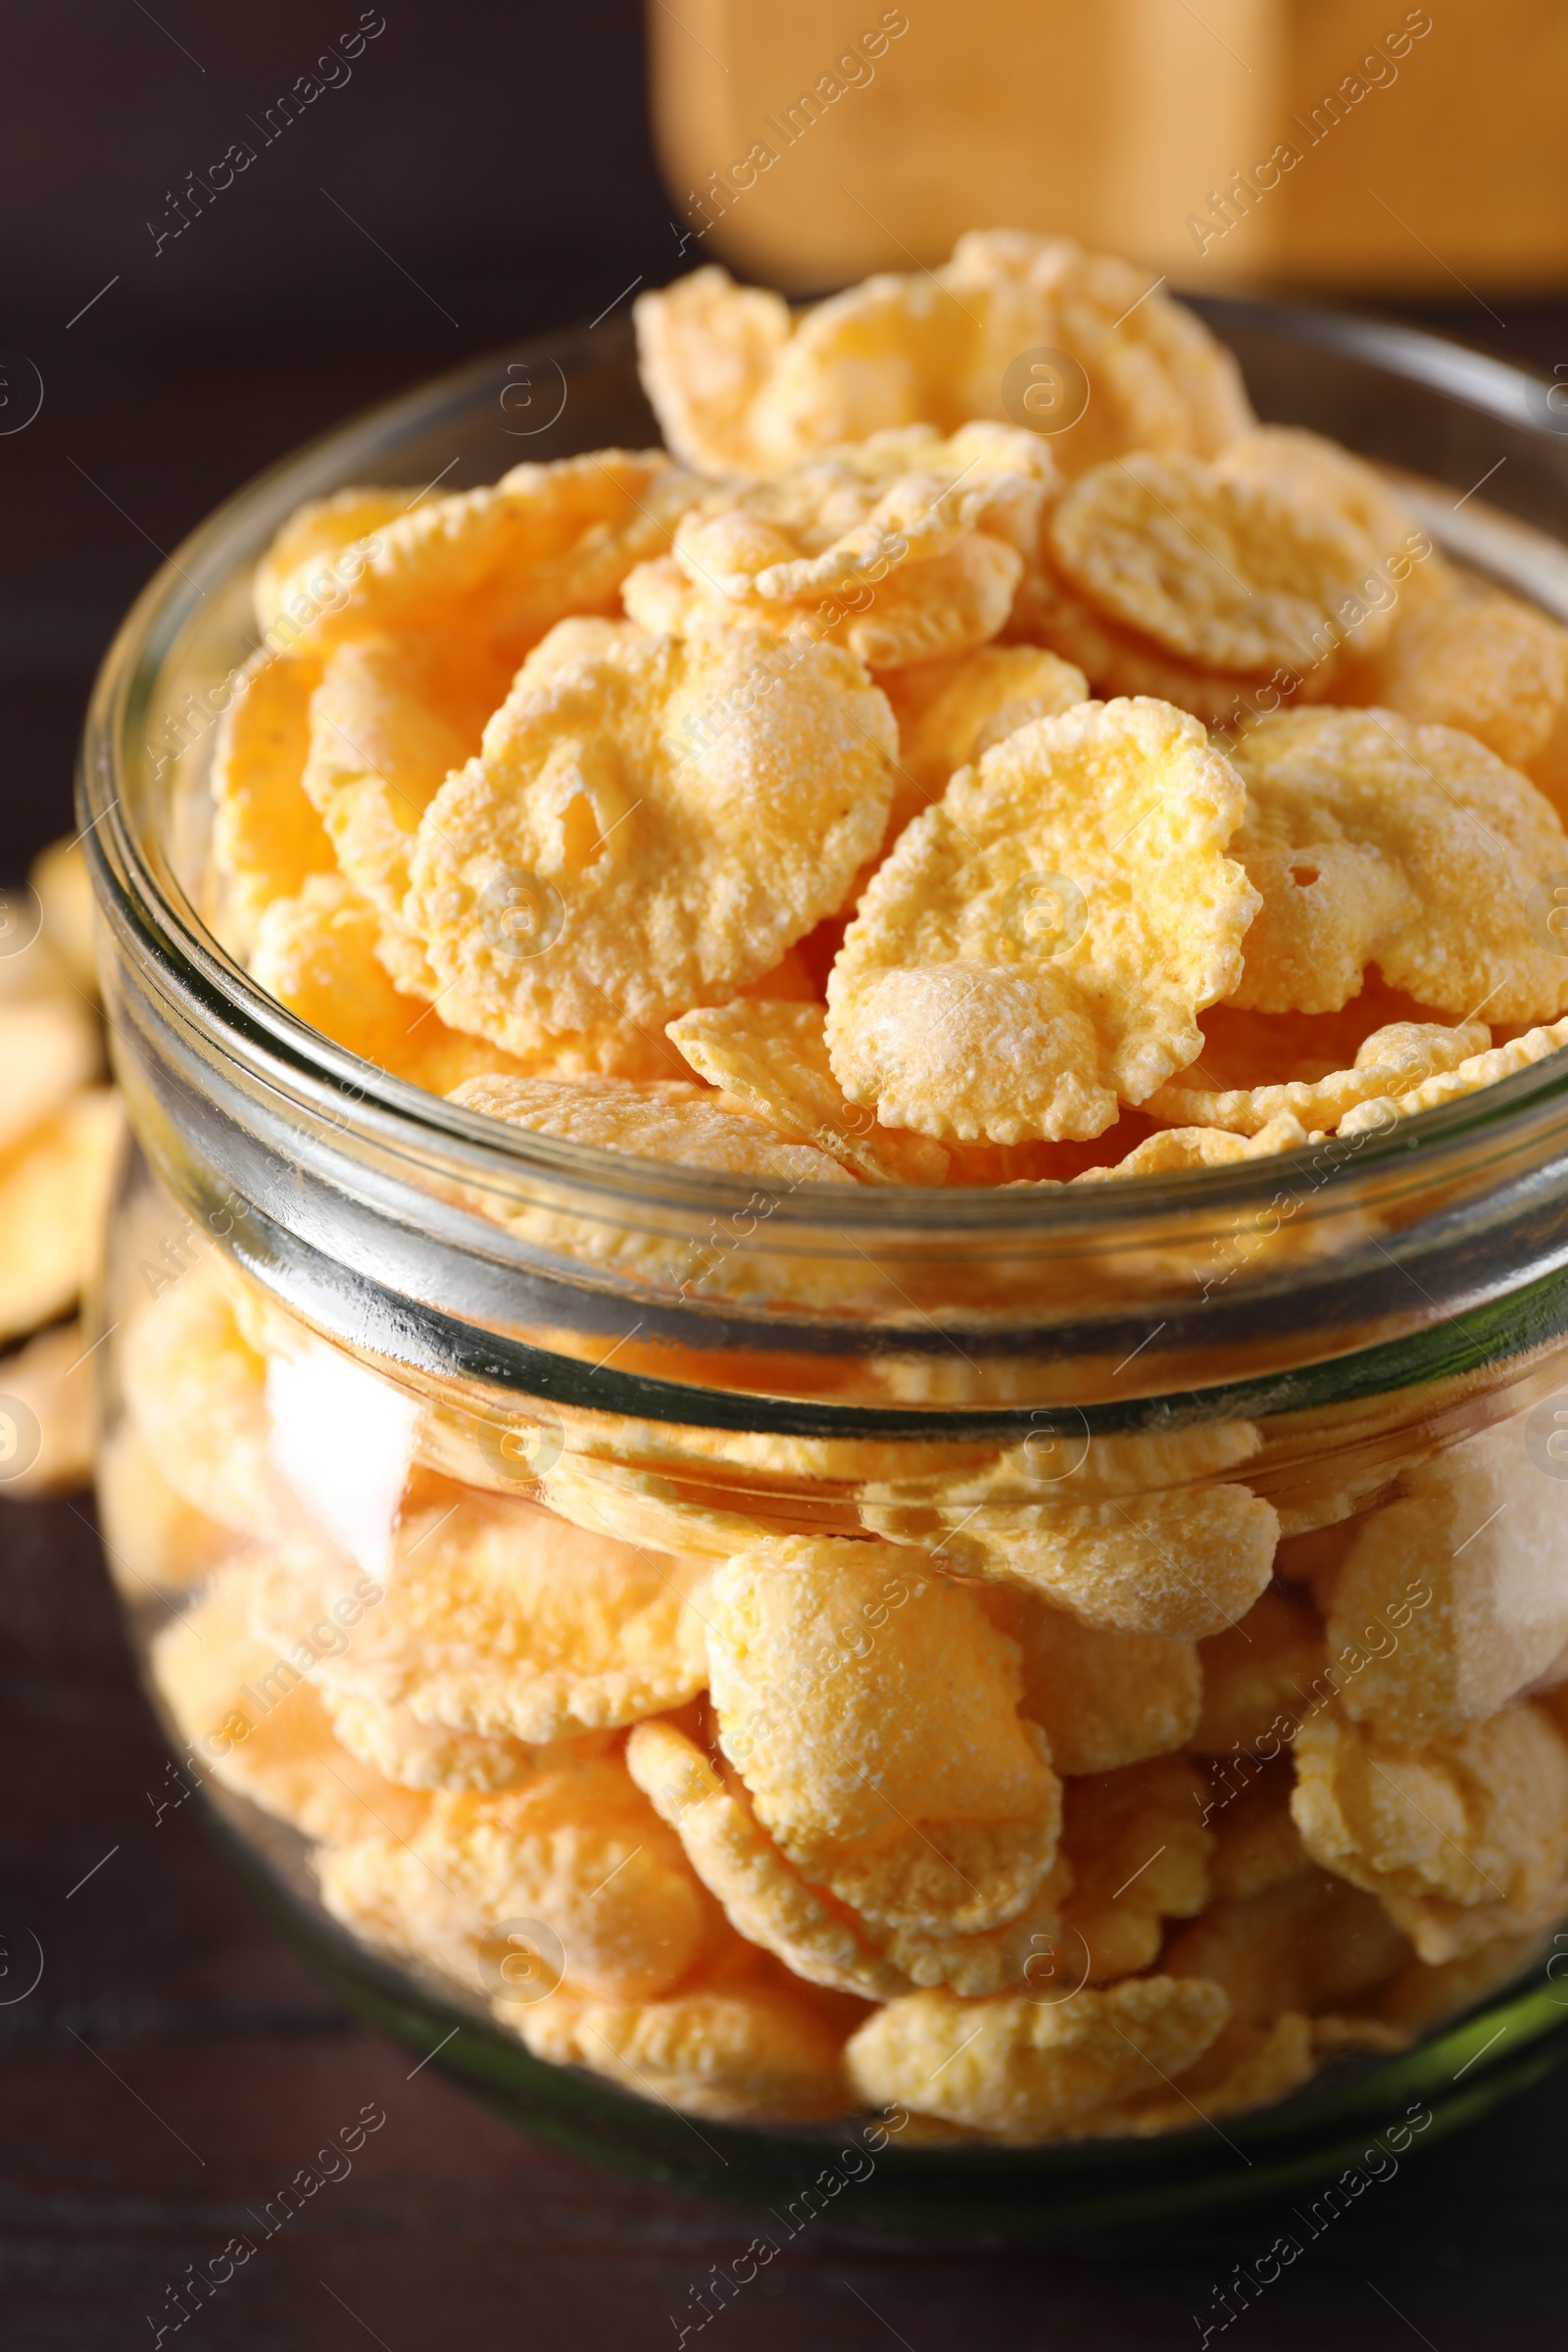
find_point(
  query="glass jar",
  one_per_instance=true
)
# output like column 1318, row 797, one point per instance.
column 1181, row 1470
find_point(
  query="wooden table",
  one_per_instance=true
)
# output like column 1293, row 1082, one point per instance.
column 175, row 2067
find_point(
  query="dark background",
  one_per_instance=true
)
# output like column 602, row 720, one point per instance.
column 175, row 2064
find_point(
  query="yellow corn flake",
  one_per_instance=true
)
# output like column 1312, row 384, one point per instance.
column 267, row 838
column 1041, row 942
column 1139, row 1853
column 389, row 723
column 1154, row 375
column 501, row 1619
column 765, row 1900
column 659, row 1121
column 68, row 915
column 872, row 1712
column 295, row 574
column 154, row 1539
column 736, row 382
column 951, row 710
column 742, row 2053
column 500, row 566
column 1454, row 1597
column 705, row 346
column 1463, row 1839
column 317, row 953
column 197, row 1393
column 773, row 1057
column 321, row 955
column 1117, row 660
column 1417, row 849
column 1258, row 1675
column 676, row 813
column 425, row 1755
column 1452, row 1085
column 51, row 1380
column 578, row 1852
column 1307, row 1943
column 48, row 1047
column 260, row 1729
column 55, row 1187
column 901, row 550
column 1103, row 1699
column 1175, row 1149
column 644, row 1510
column 1222, row 572
column 1025, row 2070
column 1315, row 472
column 1386, row 1062
column 1476, row 659
column 948, row 1879
column 1180, row 1564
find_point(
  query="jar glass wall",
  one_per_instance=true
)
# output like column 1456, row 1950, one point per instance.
column 730, row 1652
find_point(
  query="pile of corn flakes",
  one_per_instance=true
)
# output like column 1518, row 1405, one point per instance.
column 876, row 791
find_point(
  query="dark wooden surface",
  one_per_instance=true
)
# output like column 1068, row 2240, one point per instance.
column 175, row 2067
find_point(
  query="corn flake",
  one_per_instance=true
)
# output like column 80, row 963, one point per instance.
column 48, row 1049
column 53, row 1194
column 1221, row 572
column 1103, row 1699
column 736, row 383
column 658, row 1121
column 501, row 1620
column 872, row 1713
column 1478, row 659
column 296, row 570
column 500, row 564
column 1258, row 1676
column 267, row 838
column 952, row 710
column 1454, row 1597
column 259, row 1728
column 1042, row 940
column 1024, row 2070
column 1379, row 1112
column 758, row 2052
column 680, row 809
column 1182, row 1564
column 1416, row 850
column 1306, row 1943
column 1386, row 1063
column 773, row 1057
column 389, row 721
column 1463, row 1838
column 197, row 1393
column 577, row 1851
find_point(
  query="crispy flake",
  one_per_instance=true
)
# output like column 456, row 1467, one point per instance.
column 1463, row 1838
column 1041, row 942
column 1025, row 2070
column 53, row 1195
column 1224, row 574
column 503, row 1620
column 672, row 813
column 1414, row 848
column 659, row 1121
column 773, row 1056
